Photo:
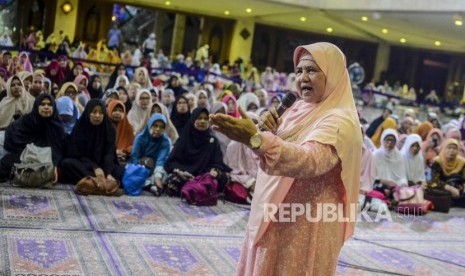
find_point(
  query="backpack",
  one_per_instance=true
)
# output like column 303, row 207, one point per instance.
column 201, row 191
column 36, row 169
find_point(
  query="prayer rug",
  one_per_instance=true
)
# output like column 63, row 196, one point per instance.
column 404, row 257
column 429, row 227
column 58, row 186
column 50, row 252
column 174, row 255
column 164, row 215
column 34, row 208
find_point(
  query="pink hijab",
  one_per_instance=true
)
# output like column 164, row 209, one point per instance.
column 333, row 121
column 225, row 100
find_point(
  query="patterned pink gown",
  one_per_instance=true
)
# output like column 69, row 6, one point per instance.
column 301, row 247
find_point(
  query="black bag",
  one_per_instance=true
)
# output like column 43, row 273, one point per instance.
column 441, row 199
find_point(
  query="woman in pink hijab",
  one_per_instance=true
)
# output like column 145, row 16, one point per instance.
column 311, row 156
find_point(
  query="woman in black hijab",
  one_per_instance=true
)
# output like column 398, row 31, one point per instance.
column 92, row 146
column 196, row 152
column 42, row 126
column 176, row 86
column 119, row 70
column 180, row 114
column 95, row 86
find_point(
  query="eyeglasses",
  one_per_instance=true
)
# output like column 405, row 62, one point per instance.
column 390, row 140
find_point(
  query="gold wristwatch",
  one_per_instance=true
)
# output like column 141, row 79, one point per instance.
column 256, row 141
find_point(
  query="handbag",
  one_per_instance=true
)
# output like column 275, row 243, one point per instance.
column 236, row 192
column 201, row 191
column 91, row 185
column 441, row 199
column 134, row 179
column 36, row 169
column 410, row 200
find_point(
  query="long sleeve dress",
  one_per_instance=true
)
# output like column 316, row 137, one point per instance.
column 317, row 171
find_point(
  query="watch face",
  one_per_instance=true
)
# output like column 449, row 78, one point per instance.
column 256, row 141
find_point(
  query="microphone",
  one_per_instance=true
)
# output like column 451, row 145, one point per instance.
column 288, row 100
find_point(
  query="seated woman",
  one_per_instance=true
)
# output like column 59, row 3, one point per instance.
column 388, row 123
column 180, row 114
column 17, row 103
column 170, row 130
column 70, row 89
column 448, row 170
column 196, row 152
column 389, row 164
column 92, row 147
column 42, row 127
column 81, row 83
column 140, row 111
column 124, row 97
column 152, row 142
column 413, row 158
column 431, row 146
column 68, row 112
column 232, row 106
column 243, row 162
column 124, row 130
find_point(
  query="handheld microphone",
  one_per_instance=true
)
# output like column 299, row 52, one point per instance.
column 288, row 100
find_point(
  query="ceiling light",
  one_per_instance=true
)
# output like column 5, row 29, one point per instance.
column 458, row 19
column 303, row 19
column 67, row 7
column 329, row 30
column 113, row 18
column 403, row 40
column 364, row 18
column 167, row 3
column 384, row 31
column 248, row 10
column 226, row 12
column 437, row 43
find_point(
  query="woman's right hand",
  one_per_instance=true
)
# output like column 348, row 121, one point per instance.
column 270, row 121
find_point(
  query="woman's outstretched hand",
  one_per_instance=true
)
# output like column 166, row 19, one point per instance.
column 237, row 129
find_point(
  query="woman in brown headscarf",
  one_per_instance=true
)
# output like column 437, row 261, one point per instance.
column 423, row 129
column 124, row 130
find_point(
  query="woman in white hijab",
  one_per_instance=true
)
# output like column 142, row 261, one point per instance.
column 139, row 114
column 18, row 102
column 389, row 163
column 413, row 158
column 142, row 77
column 121, row 81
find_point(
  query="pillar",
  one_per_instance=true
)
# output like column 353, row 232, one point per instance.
column 66, row 21
column 178, row 34
column 382, row 59
column 242, row 40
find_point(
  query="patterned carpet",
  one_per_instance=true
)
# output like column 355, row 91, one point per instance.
column 56, row 232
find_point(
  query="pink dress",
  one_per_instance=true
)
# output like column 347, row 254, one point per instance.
column 301, row 247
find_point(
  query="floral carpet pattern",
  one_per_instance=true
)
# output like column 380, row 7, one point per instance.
column 56, row 232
